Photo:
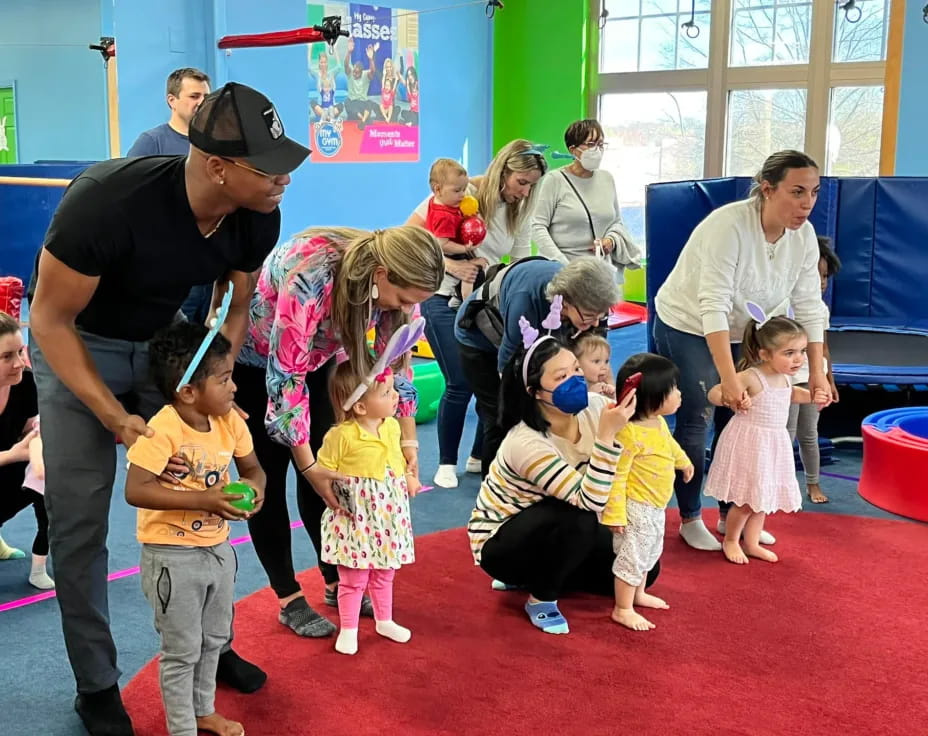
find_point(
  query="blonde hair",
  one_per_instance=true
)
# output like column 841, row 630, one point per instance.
column 590, row 341
column 442, row 169
column 767, row 337
column 513, row 157
column 412, row 259
column 9, row 325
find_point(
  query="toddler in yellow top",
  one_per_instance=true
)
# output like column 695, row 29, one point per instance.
column 188, row 566
column 643, row 485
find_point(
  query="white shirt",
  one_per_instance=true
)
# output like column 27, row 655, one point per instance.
column 561, row 228
column 728, row 261
column 495, row 245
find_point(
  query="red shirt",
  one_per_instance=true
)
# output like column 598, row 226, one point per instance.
column 443, row 221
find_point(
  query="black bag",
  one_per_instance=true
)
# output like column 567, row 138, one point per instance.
column 482, row 310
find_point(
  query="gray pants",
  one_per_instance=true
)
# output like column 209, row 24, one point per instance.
column 80, row 467
column 803, row 423
column 191, row 590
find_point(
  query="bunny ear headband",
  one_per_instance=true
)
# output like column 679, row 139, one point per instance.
column 214, row 326
column 530, row 339
column 400, row 343
column 758, row 315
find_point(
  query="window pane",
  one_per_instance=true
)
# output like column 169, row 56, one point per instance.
column 767, row 32
column 648, row 36
column 864, row 40
column 854, row 131
column 761, row 122
column 652, row 137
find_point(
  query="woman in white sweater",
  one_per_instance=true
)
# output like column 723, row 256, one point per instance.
column 762, row 249
column 578, row 206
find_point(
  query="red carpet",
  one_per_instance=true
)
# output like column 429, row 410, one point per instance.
column 831, row 640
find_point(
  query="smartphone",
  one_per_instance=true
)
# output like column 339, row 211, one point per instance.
column 631, row 383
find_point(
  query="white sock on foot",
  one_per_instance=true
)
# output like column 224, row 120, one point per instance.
column 38, row 577
column 696, row 535
column 446, row 476
column 474, row 465
column 393, row 631
column 347, row 641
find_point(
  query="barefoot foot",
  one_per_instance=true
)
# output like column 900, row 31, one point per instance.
column 815, row 494
column 630, row 619
column 215, row 723
column 646, row 600
column 734, row 553
column 761, row 554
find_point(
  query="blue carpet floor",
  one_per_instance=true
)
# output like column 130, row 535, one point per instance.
column 36, row 686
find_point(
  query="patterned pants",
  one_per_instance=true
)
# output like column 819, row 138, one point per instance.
column 640, row 547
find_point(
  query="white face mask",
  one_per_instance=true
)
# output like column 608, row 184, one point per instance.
column 591, row 159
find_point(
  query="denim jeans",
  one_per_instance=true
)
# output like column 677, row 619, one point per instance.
column 196, row 305
column 439, row 331
column 691, row 355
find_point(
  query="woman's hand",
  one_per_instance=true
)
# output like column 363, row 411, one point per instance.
column 412, row 461
column 735, row 394
column 607, row 244
column 820, row 389
column 321, row 479
column 835, row 396
column 615, row 417
column 19, row 453
column 464, row 270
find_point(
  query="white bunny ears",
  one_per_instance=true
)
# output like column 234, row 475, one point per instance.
column 400, row 343
column 761, row 318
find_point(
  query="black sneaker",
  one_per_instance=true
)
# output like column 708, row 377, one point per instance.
column 103, row 713
column 239, row 674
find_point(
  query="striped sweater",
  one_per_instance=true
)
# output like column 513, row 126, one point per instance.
column 531, row 466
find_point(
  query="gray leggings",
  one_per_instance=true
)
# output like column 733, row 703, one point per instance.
column 803, row 423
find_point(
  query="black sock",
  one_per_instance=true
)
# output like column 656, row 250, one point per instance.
column 238, row 673
column 103, row 713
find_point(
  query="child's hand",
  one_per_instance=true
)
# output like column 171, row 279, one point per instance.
column 413, row 486
column 688, row 472
column 606, row 389
column 617, row 529
column 216, row 501
column 820, row 397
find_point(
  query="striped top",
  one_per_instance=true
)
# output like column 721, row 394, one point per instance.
column 530, row 466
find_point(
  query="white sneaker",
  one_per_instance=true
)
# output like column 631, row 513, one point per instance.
column 696, row 535
column 474, row 465
column 446, row 476
column 765, row 536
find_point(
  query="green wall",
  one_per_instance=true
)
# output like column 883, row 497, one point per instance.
column 540, row 75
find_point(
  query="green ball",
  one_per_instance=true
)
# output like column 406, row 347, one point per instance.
column 239, row 488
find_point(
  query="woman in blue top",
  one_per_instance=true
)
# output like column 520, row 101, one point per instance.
column 588, row 289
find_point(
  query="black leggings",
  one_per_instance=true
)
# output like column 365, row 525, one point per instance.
column 270, row 528
column 553, row 548
column 480, row 370
column 13, row 501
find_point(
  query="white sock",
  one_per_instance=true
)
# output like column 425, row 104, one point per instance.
column 347, row 641
column 697, row 536
column 38, row 577
column 474, row 465
column 393, row 631
column 446, row 476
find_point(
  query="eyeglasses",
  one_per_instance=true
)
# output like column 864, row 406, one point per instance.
column 249, row 168
column 600, row 145
column 586, row 317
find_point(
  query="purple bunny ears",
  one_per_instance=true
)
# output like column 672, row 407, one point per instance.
column 758, row 315
column 530, row 339
column 553, row 320
column 400, row 343
column 529, row 333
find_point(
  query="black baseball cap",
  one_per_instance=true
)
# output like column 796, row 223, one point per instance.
column 237, row 121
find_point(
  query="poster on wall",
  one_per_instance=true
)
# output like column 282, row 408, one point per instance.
column 364, row 91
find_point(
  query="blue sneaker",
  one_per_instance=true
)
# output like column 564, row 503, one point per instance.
column 547, row 617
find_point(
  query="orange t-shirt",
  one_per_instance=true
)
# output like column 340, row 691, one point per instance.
column 208, row 455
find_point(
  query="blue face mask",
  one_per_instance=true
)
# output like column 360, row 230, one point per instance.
column 571, row 396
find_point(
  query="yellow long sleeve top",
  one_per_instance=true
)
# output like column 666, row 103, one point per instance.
column 646, row 469
column 352, row 450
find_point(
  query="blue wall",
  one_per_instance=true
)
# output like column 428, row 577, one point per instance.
column 455, row 111
column 60, row 83
column 911, row 146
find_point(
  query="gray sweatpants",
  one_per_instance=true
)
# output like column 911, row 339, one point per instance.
column 191, row 590
column 80, row 467
column 803, row 423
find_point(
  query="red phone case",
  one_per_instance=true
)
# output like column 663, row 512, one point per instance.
column 631, row 383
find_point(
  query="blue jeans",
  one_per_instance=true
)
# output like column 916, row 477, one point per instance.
column 691, row 355
column 196, row 305
column 439, row 331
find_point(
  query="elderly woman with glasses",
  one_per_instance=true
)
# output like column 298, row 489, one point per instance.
column 578, row 209
column 587, row 290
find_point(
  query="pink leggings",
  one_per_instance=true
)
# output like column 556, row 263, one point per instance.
column 351, row 585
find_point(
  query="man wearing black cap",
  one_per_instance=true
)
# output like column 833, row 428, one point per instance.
column 129, row 239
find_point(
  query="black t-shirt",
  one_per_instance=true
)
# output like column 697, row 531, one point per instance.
column 129, row 222
column 22, row 406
